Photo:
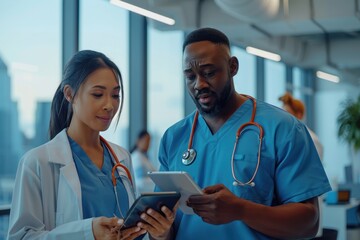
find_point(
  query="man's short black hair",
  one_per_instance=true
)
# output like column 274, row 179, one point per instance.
column 206, row 34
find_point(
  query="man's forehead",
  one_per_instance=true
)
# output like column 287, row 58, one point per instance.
column 197, row 63
column 204, row 53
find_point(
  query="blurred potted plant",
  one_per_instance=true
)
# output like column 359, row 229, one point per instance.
column 349, row 131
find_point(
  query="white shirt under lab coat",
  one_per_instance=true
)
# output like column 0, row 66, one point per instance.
column 46, row 202
column 142, row 165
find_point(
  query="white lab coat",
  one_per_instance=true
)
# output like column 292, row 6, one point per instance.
column 47, row 202
column 319, row 147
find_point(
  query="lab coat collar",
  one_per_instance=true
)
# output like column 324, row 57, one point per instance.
column 59, row 149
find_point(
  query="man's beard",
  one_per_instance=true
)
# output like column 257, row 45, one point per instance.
column 220, row 101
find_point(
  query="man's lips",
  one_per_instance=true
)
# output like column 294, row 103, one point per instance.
column 204, row 98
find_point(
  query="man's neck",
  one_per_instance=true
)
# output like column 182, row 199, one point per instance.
column 217, row 121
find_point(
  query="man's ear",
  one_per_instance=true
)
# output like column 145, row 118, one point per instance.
column 234, row 65
column 68, row 93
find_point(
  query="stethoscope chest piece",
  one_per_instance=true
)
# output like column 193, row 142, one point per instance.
column 188, row 156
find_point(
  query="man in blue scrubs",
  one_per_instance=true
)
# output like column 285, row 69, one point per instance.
column 262, row 189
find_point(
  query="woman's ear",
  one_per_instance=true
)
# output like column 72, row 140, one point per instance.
column 234, row 66
column 68, row 93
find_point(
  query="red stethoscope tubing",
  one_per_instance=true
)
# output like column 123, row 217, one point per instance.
column 117, row 163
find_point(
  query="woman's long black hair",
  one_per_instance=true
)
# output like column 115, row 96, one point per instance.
column 76, row 71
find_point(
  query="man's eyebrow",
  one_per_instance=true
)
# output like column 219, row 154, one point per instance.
column 200, row 66
column 206, row 65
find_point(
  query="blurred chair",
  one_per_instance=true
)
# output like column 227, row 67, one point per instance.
column 353, row 223
column 328, row 234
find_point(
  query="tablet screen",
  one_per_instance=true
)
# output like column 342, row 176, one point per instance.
column 153, row 200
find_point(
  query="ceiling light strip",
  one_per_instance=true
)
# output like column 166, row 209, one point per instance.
column 143, row 12
column 327, row 76
column 264, row 54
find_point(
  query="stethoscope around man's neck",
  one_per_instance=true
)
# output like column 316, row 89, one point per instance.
column 189, row 155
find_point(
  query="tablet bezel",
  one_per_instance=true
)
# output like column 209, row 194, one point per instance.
column 154, row 200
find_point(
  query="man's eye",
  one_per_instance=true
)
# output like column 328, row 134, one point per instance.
column 190, row 77
column 209, row 74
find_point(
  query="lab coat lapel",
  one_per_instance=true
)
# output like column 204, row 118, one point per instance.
column 71, row 177
column 60, row 151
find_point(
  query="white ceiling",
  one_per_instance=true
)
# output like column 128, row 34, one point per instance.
column 319, row 34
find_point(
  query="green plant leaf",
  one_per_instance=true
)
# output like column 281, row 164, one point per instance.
column 349, row 123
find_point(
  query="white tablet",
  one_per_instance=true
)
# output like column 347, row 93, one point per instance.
column 177, row 181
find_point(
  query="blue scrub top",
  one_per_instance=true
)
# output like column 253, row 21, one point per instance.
column 98, row 197
column 290, row 169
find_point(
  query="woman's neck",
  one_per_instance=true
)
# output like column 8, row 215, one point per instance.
column 84, row 137
column 89, row 141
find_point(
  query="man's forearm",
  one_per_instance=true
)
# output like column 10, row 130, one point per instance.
column 289, row 221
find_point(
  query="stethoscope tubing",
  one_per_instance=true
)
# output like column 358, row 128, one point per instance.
column 117, row 164
column 127, row 178
column 188, row 160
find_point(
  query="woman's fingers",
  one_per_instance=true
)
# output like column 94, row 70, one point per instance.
column 130, row 233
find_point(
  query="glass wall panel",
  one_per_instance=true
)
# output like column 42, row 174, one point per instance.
column 245, row 80
column 275, row 83
column 104, row 28
column 30, row 71
column 165, row 84
column 298, row 83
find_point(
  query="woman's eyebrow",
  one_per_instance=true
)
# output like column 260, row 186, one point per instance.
column 103, row 87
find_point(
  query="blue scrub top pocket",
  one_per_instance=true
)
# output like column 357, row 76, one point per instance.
column 244, row 167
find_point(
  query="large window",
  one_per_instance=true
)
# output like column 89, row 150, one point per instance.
column 275, row 84
column 104, row 28
column 30, row 71
column 245, row 80
column 165, row 84
column 297, row 83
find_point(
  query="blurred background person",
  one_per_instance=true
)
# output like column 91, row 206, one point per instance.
column 141, row 163
column 297, row 108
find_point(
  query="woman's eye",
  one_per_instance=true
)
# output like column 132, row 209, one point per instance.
column 116, row 96
column 97, row 95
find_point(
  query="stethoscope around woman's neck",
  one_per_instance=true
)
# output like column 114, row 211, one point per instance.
column 117, row 163
column 189, row 155
column 113, row 170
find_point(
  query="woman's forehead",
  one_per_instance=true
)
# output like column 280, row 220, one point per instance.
column 102, row 76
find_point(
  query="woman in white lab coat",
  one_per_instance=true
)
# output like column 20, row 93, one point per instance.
column 79, row 186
